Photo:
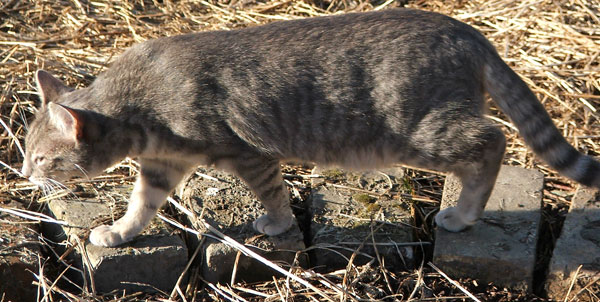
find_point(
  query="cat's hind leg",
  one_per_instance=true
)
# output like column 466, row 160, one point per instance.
column 155, row 182
column 263, row 175
column 478, row 175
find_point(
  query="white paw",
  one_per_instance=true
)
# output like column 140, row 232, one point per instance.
column 266, row 225
column 108, row 236
column 452, row 220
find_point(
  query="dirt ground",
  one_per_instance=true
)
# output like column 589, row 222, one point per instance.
column 553, row 45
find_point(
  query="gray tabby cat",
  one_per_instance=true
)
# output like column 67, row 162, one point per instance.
column 356, row 90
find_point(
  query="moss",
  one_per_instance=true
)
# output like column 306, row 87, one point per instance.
column 334, row 174
column 361, row 226
column 365, row 199
column 373, row 208
column 406, row 184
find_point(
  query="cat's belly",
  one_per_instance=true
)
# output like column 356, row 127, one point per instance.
column 362, row 158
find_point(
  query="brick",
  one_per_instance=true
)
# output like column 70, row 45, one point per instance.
column 19, row 250
column 227, row 203
column 139, row 265
column 578, row 245
column 341, row 220
column 500, row 247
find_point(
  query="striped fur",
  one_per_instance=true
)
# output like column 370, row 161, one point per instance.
column 357, row 90
column 516, row 100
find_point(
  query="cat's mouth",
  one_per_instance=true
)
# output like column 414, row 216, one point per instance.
column 47, row 184
column 36, row 181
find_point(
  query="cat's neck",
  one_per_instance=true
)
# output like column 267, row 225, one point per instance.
column 128, row 131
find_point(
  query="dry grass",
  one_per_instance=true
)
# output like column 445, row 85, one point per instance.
column 553, row 45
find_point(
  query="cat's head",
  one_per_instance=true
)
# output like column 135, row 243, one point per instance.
column 57, row 141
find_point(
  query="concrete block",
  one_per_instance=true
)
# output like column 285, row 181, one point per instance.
column 153, row 260
column 345, row 217
column 500, row 247
column 576, row 256
column 227, row 203
column 19, row 250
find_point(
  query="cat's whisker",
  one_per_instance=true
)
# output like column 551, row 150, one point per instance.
column 23, row 118
column 56, row 186
column 83, row 171
column 55, row 190
column 53, row 185
column 46, row 191
column 44, row 188
column 63, row 187
column 49, row 186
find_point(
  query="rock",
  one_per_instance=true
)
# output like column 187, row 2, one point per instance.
column 500, row 247
column 577, row 251
column 344, row 217
column 227, row 203
column 153, row 260
column 19, row 250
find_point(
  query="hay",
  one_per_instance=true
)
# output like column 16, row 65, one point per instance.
column 553, row 45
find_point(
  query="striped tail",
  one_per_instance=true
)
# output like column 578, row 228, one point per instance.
column 520, row 104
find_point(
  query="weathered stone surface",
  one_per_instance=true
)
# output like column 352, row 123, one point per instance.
column 19, row 250
column 578, row 245
column 343, row 219
column 153, row 260
column 500, row 247
column 227, row 203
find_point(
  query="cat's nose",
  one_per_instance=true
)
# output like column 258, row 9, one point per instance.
column 26, row 170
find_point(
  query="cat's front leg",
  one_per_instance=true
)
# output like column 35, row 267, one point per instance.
column 154, row 184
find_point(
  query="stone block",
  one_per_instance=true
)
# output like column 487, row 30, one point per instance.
column 500, row 247
column 576, row 256
column 227, row 203
column 359, row 211
column 153, row 260
column 19, row 250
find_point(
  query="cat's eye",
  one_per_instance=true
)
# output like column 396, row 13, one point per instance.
column 39, row 160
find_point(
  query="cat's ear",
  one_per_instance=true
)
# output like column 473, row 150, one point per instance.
column 49, row 87
column 68, row 120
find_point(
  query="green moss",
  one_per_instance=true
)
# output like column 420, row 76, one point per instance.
column 406, row 184
column 334, row 174
column 365, row 199
column 361, row 226
column 371, row 207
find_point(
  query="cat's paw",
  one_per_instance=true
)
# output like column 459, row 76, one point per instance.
column 107, row 236
column 267, row 225
column 452, row 220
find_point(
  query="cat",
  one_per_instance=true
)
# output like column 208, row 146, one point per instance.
column 360, row 90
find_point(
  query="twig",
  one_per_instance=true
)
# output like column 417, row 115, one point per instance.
column 206, row 176
column 385, row 243
column 464, row 290
column 36, row 216
column 260, row 258
column 87, row 263
column 572, row 283
column 12, row 135
column 187, row 267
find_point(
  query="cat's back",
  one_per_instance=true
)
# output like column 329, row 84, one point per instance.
column 394, row 26
column 396, row 36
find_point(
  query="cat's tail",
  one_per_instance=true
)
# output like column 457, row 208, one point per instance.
column 524, row 109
